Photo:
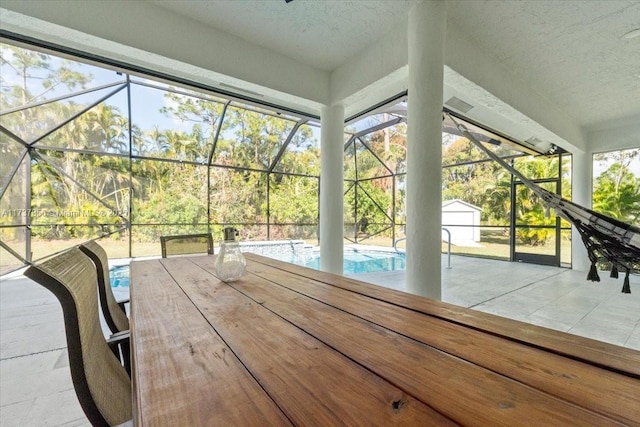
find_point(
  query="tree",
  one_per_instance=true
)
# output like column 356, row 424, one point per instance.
column 368, row 202
column 617, row 190
column 36, row 76
column 370, row 161
column 30, row 77
column 83, row 165
column 293, row 200
column 203, row 115
column 481, row 183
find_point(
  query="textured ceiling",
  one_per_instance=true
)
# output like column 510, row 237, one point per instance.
column 570, row 52
column 323, row 34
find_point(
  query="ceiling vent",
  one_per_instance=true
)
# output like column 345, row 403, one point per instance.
column 458, row 104
column 542, row 147
column 239, row 89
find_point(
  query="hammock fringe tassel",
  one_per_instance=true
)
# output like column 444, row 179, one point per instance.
column 626, row 288
column 614, row 271
column 593, row 274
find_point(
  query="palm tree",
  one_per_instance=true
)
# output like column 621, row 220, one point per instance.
column 617, row 194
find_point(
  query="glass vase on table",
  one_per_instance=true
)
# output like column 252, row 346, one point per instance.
column 230, row 263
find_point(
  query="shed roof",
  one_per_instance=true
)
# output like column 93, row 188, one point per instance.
column 454, row 201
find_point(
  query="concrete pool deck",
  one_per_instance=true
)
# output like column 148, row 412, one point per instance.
column 35, row 383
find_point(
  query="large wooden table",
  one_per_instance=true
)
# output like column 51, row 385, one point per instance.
column 287, row 345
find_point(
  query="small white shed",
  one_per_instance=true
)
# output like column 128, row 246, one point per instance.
column 462, row 219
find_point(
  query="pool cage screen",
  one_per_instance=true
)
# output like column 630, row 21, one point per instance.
column 91, row 151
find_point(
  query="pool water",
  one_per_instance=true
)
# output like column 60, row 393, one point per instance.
column 355, row 262
column 119, row 276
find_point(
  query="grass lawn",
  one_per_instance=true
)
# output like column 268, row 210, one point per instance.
column 494, row 243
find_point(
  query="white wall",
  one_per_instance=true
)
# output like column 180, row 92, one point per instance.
column 620, row 135
column 459, row 214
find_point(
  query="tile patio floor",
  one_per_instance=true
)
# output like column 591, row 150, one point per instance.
column 36, row 388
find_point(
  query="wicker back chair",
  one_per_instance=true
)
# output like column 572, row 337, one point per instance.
column 186, row 244
column 113, row 311
column 101, row 383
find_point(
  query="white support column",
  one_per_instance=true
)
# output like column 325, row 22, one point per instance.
column 581, row 188
column 331, row 188
column 427, row 25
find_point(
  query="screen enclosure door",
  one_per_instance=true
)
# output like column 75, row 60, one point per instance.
column 535, row 233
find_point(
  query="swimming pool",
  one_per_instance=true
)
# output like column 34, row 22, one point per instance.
column 119, row 276
column 356, row 261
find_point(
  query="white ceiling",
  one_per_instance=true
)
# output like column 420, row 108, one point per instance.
column 557, row 70
column 570, row 51
column 322, row 34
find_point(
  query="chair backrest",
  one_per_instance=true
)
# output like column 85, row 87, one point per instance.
column 101, row 383
column 113, row 314
column 186, row 244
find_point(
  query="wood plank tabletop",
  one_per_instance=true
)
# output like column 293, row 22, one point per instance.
column 287, row 345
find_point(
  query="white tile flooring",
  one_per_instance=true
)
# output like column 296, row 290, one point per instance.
column 556, row 298
column 36, row 388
